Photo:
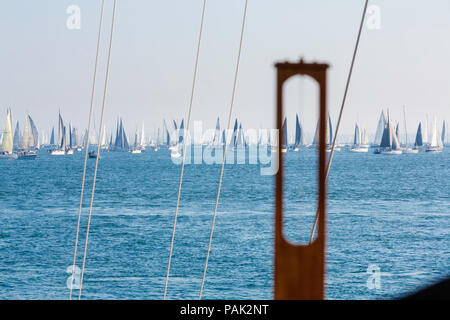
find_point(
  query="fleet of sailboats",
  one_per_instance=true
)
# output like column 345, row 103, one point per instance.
column 24, row 143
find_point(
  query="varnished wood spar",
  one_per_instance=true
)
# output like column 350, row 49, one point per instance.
column 300, row 269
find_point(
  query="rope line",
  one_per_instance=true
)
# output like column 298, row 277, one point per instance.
column 184, row 147
column 330, row 160
column 98, row 147
column 87, row 147
column 225, row 149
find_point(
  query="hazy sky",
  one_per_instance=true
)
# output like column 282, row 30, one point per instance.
column 45, row 66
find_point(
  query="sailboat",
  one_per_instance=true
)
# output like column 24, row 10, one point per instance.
column 172, row 143
column 380, row 129
column 357, row 141
column 17, row 137
column 75, row 143
column 69, row 149
column 103, row 144
column 224, row 138
column 165, row 141
column 61, row 141
column 121, row 142
column 419, row 140
column 181, row 134
column 234, row 136
column 389, row 141
column 425, row 133
column 237, row 139
column 136, row 148
column 142, row 143
column 328, row 137
column 443, row 133
column 364, row 139
column 30, row 142
column 240, row 137
column 157, row 143
column 299, row 141
column 284, row 145
column 408, row 150
column 176, row 149
column 216, row 139
column 52, row 138
column 435, row 145
column 7, row 140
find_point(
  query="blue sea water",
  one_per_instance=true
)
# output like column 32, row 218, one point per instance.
column 388, row 212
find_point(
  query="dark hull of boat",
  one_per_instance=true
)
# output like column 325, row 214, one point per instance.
column 93, row 155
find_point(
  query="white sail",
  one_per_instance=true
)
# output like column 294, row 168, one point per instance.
column 29, row 140
column 7, row 139
column 26, row 133
column 34, row 133
column 142, row 135
column 17, row 140
column 434, row 135
column 380, row 128
column 92, row 138
column 328, row 132
column 357, row 136
column 364, row 138
column 43, row 138
column 443, row 133
column 216, row 137
column 395, row 141
column 104, row 136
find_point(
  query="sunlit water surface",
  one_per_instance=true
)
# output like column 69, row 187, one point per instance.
column 391, row 212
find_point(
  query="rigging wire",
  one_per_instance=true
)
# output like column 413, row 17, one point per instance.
column 87, row 147
column 225, row 148
column 194, row 80
column 98, row 147
column 344, row 98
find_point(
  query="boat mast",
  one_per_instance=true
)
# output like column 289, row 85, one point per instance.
column 406, row 133
column 59, row 127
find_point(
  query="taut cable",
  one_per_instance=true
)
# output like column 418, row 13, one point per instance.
column 98, row 148
column 86, row 151
column 330, row 160
column 184, row 148
column 233, row 95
